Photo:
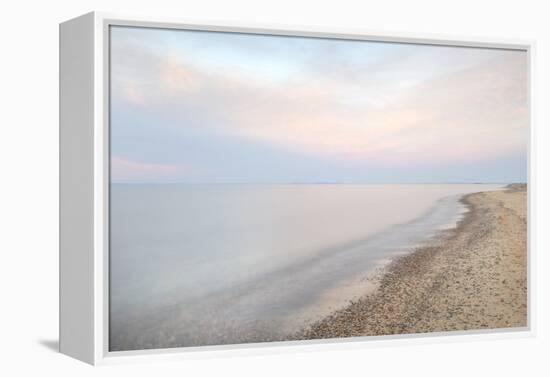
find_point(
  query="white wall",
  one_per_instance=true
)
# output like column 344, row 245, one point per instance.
column 29, row 185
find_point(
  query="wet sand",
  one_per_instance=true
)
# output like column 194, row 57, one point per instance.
column 470, row 277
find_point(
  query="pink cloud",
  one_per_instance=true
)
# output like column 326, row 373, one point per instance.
column 470, row 114
column 125, row 170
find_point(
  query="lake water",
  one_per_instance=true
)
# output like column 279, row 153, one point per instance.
column 218, row 264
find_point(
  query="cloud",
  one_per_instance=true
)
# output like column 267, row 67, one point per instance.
column 125, row 170
column 384, row 105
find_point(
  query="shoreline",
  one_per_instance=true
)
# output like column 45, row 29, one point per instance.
column 473, row 276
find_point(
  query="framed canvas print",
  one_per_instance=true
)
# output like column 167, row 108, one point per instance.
column 225, row 188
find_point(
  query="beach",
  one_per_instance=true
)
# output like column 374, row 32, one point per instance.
column 473, row 276
column 373, row 262
column 283, row 258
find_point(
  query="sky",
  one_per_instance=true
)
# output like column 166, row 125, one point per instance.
column 211, row 107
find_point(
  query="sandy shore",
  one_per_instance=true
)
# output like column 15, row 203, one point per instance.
column 471, row 277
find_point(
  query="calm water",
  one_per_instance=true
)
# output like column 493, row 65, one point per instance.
column 216, row 264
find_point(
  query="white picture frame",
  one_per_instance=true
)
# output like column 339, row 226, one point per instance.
column 84, row 191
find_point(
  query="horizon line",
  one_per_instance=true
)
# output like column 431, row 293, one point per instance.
column 322, row 183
